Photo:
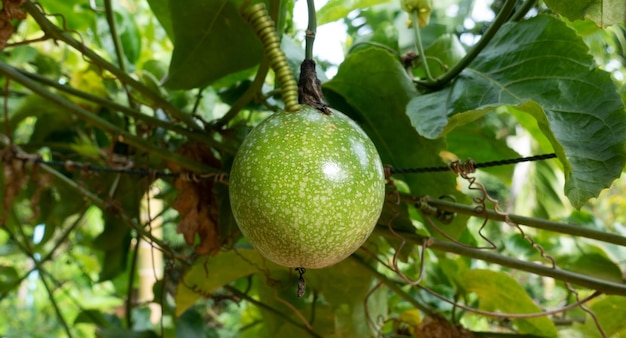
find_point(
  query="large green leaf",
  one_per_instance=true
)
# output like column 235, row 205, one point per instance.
column 373, row 89
column 212, row 40
column 602, row 12
column 541, row 67
column 161, row 10
column 498, row 291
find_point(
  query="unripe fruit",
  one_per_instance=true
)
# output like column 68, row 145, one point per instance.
column 306, row 188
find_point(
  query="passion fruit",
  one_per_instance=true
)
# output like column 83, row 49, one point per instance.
column 307, row 188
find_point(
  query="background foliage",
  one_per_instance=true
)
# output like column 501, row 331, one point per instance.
column 141, row 88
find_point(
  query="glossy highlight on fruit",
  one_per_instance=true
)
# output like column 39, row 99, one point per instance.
column 307, row 188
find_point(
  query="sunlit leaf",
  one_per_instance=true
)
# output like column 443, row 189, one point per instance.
column 541, row 67
column 603, row 12
column 610, row 311
column 339, row 9
column 498, row 291
column 210, row 273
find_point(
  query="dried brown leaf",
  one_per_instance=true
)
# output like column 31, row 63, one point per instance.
column 14, row 179
column 437, row 327
column 196, row 203
column 10, row 10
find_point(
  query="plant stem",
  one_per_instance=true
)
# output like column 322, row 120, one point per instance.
column 570, row 229
column 522, row 10
column 117, row 45
column 131, row 281
column 152, row 121
column 501, row 18
column 603, row 286
column 419, row 45
column 311, row 30
column 57, row 33
column 98, row 122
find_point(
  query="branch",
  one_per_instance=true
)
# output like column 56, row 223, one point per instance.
column 98, row 122
column 138, row 115
column 603, row 286
column 57, row 33
column 570, row 229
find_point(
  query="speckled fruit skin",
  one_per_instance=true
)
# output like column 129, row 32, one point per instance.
column 306, row 189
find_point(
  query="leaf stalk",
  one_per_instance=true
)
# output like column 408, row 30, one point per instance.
column 502, row 17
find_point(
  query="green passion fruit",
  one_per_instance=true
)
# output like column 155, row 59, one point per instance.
column 307, row 188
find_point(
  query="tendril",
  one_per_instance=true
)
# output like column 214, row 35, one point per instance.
column 264, row 27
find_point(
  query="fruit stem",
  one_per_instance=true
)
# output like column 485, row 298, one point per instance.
column 310, row 87
column 310, row 30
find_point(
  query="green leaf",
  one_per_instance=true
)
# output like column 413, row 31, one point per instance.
column 212, row 40
column 9, row 278
column 129, row 34
column 339, row 9
column 499, row 291
column 161, row 10
column 373, row 89
column 610, row 311
column 127, row 333
column 541, row 67
column 603, row 12
column 210, row 273
column 190, row 324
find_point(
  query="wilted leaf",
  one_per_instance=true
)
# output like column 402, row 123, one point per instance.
column 541, row 67
column 438, row 327
column 197, row 204
column 10, row 11
column 499, row 291
column 12, row 180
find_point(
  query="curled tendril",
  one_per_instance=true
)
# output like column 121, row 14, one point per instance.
column 263, row 25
